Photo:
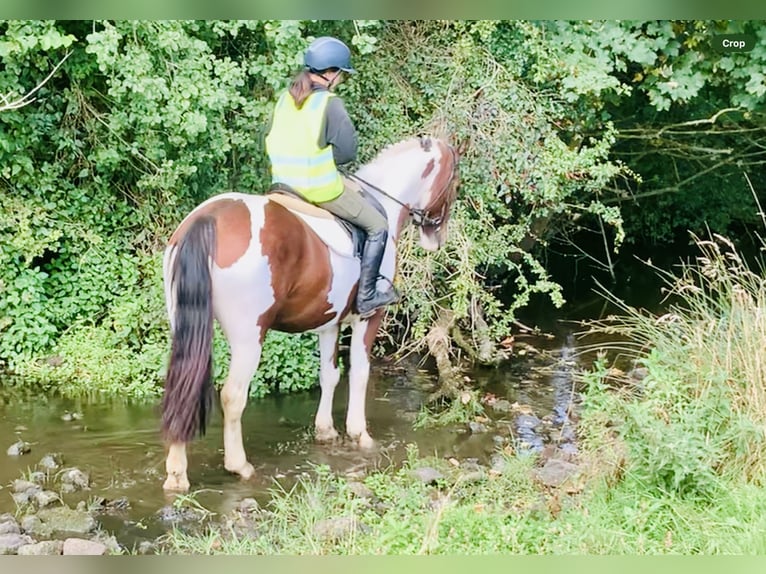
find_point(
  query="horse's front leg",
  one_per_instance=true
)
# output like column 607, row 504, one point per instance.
column 329, row 375
column 362, row 337
column 244, row 363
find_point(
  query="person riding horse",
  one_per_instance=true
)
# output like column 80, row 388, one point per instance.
column 311, row 134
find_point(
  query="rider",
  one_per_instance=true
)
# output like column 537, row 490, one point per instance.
column 311, row 133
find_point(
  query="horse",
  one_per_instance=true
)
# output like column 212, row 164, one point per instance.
column 256, row 262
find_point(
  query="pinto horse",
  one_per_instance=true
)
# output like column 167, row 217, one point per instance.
column 252, row 263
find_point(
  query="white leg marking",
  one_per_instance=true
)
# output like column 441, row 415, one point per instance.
column 241, row 295
column 175, row 465
column 359, row 372
column 329, row 375
column 244, row 362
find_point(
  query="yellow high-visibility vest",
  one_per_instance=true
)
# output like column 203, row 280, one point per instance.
column 294, row 152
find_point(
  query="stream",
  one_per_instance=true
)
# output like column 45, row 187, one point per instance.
column 118, row 446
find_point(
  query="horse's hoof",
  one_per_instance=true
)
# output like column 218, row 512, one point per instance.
column 176, row 483
column 325, row 434
column 365, row 441
column 246, row 471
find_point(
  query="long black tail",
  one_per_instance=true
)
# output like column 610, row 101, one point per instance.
column 188, row 384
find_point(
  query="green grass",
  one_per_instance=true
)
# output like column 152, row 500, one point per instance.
column 699, row 415
column 502, row 514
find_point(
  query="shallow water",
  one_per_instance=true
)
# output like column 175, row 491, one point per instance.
column 118, row 443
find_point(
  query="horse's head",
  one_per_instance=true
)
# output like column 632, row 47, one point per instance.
column 420, row 176
column 431, row 211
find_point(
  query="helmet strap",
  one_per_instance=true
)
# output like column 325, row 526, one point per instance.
column 330, row 82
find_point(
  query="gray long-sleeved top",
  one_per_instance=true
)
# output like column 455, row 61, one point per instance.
column 339, row 132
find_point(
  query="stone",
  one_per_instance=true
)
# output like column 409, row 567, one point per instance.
column 38, row 476
column 31, row 524
column 10, row 543
column 248, row 506
column 20, row 485
column 477, row 428
column 46, row 498
column 50, row 461
column 502, row 406
column 360, row 490
column 74, row 479
column 44, row 548
column 9, row 528
column 338, row 528
column 65, row 519
column 427, row 474
column 82, row 547
column 18, row 448
column 21, row 498
column 556, row 472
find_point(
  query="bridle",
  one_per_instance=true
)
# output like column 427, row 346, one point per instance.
column 420, row 217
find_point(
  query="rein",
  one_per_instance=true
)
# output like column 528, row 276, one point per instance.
column 420, row 217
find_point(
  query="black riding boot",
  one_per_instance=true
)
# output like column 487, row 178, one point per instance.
column 368, row 298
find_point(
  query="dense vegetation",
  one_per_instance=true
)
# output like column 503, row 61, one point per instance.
column 624, row 131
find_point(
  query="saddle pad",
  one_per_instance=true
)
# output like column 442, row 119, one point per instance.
column 295, row 204
column 320, row 220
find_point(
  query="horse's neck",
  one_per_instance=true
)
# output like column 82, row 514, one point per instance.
column 399, row 181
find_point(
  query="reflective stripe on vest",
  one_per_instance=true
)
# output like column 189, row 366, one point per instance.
column 293, row 149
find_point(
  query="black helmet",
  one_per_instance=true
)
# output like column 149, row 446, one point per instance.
column 328, row 52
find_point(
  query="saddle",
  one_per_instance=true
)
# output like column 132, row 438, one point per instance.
column 287, row 197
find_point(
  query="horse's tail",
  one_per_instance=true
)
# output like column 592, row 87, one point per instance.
column 189, row 291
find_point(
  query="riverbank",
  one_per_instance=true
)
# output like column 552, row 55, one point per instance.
column 672, row 455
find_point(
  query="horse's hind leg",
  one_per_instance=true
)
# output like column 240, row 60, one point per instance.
column 175, row 465
column 244, row 363
column 329, row 375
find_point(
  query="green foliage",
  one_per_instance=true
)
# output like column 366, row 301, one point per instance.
column 124, row 354
column 289, row 363
column 92, row 361
column 501, row 513
column 460, row 410
column 689, row 118
column 521, row 183
column 145, row 119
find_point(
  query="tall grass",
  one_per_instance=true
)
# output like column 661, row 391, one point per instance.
column 699, row 414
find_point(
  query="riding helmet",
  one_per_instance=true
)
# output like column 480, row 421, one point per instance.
column 328, row 52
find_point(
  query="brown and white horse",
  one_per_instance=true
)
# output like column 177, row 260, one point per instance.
column 253, row 265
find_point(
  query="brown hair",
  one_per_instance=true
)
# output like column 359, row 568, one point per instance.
column 300, row 88
column 302, row 85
